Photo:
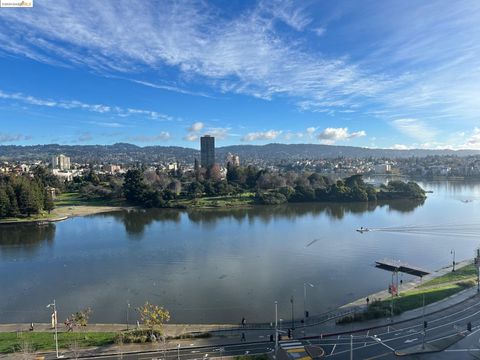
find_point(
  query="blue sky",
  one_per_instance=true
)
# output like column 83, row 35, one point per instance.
column 390, row 74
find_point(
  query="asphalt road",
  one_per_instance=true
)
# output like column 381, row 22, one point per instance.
column 196, row 352
column 442, row 328
column 445, row 328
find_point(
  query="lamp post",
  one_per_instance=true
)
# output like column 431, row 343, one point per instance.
column 351, row 347
column 276, row 327
column 293, row 320
column 305, row 301
column 453, row 263
column 54, row 307
column 128, row 312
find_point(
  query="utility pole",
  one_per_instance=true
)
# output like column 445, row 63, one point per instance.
column 54, row 306
column 276, row 327
column 477, row 263
column 293, row 319
column 128, row 311
column 305, row 301
column 453, row 262
column 351, row 347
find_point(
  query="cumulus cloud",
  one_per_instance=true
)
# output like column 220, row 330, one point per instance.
column 332, row 135
column 6, row 138
column 196, row 127
column 191, row 137
column 261, row 135
column 163, row 136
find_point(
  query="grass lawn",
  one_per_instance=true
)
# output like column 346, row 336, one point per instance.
column 434, row 290
column 413, row 299
column 467, row 272
column 244, row 199
column 74, row 199
column 41, row 341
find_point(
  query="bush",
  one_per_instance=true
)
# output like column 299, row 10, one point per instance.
column 271, row 198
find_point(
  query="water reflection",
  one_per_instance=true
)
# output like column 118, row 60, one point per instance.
column 24, row 239
column 135, row 222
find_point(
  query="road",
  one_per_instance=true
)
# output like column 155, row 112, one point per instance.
column 446, row 331
column 443, row 328
column 192, row 352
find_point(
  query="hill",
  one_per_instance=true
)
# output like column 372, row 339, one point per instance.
column 128, row 153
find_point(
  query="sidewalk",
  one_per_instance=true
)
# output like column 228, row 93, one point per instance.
column 171, row 330
column 384, row 294
column 332, row 327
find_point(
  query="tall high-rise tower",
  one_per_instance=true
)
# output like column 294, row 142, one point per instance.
column 207, row 151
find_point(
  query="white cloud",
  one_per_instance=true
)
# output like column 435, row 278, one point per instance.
column 332, row 135
column 218, row 132
column 400, row 147
column 196, row 127
column 191, row 137
column 415, row 129
column 405, row 69
column 261, row 135
column 163, row 136
column 6, row 138
column 473, row 142
column 291, row 135
column 75, row 104
column 242, row 54
column 320, row 31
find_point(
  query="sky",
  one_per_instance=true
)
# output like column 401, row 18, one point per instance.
column 380, row 74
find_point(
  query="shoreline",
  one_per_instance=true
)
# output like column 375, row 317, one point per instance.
column 65, row 212
column 62, row 213
column 182, row 328
column 413, row 284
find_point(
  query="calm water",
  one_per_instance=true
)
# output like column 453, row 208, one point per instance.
column 218, row 266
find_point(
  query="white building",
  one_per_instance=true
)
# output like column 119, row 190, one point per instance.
column 61, row 162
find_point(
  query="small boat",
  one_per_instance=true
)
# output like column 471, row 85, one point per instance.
column 466, row 201
column 361, row 230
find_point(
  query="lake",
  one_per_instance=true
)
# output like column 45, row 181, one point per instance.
column 217, row 266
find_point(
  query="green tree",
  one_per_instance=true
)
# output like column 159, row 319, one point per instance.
column 48, row 204
column 134, row 187
column 4, row 203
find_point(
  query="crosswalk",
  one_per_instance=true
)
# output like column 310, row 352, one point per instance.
column 293, row 350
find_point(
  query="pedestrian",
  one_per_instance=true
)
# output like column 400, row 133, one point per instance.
column 243, row 322
column 31, row 326
column 368, row 301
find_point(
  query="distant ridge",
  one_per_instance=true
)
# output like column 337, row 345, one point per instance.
column 129, row 153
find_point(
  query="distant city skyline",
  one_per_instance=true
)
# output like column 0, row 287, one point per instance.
column 373, row 74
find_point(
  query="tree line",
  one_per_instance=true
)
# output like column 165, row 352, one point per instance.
column 24, row 195
column 154, row 189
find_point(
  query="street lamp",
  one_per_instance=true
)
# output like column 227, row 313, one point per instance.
column 128, row 312
column 54, row 306
column 453, row 253
column 305, row 300
column 276, row 327
column 293, row 320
